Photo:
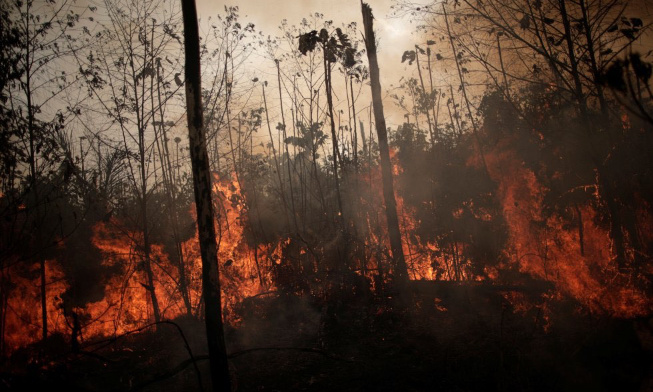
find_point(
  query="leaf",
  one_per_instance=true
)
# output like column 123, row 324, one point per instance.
column 614, row 77
column 628, row 33
column 307, row 42
column 408, row 55
column 430, row 42
column 343, row 38
column 169, row 31
column 349, row 58
column 642, row 69
column 536, row 69
column 547, row 20
column 637, row 23
column 525, row 22
column 324, row 35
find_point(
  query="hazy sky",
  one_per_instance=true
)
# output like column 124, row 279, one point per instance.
column 394, row 34
column 267, row 15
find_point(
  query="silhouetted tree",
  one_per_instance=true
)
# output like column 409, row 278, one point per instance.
column 400, row 268
column 204, row 204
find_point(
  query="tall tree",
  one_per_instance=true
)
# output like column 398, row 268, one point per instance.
column 400, row 268
column 202, row 186
column 333, row 48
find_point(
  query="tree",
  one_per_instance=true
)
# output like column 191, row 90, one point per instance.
column 127, row 76
column 561, row 48
column 37, row 42
column 400, row 268
column 333, row 48
column 203, row 201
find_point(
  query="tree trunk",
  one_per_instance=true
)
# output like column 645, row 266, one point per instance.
column 334, row 137
column 464, row 90
column 288, row 162
column 428, row 114
column 353, row 113
column 276, row 160
column 202, row 186
column 35, row 193
column 435, row 100
column 400, row 269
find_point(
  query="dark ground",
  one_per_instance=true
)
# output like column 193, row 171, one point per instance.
column 365, row 344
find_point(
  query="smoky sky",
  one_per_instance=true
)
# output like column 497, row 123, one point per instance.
column 395, row 35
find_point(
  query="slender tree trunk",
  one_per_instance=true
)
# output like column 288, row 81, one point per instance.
column 362, row 127
column 455, row 116
column 334, row 137
column 288, row 161
column 353, row 113
column 464, row 89
column 604, row 181
column 401, row 270
column 146, row 232
column 276, row 160
column 503, row 69
column 202, row 185
column 436, row 98
column 33, row 182
column 582, row 104
column 415, row 115
column 591, row 50
column 232, row 147
column 171, row 191
column 428, row 113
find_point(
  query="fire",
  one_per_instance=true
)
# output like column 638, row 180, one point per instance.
column 126, row 305
column 23, row 315
column 425, row 259
column 245, row 269
column 542, row 246
column 625, row 121
column 548, row 249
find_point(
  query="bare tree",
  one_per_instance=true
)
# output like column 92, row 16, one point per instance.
column 39, row 42
column 204, row 204
column 401, row 270
column 139, row 40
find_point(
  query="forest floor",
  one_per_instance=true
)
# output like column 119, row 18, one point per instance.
column 290, row 343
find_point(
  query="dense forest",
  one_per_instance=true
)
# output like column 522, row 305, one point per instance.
column 475, row 215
